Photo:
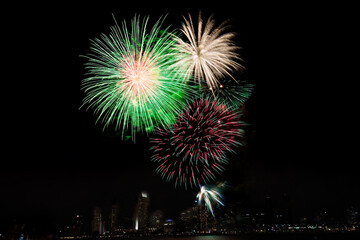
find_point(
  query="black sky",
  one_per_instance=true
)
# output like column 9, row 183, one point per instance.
column 57, row 162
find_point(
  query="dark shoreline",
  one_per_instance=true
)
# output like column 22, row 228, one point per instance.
column 354, row 235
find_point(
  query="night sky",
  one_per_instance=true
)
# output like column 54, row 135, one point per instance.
column 56, row 162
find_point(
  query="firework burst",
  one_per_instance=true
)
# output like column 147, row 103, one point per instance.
column 133, row 80
column 208, row 53
column 209, row 196
column 194, row 150
column 233, row 93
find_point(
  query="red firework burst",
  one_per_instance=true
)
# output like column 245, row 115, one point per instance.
column 194, row 150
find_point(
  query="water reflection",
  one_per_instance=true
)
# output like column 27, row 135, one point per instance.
column 207, row 237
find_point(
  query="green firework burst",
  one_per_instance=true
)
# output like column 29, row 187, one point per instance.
column 132, row 80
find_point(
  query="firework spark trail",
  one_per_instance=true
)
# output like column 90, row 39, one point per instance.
column 133, row 80
column 208, row 53
column 209, row 196
column 194, row 150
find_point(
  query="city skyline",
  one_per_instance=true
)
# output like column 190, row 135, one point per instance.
column 58, row 161
column 234, row 218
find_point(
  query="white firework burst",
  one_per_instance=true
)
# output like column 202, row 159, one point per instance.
column 209, row 196
column 208, row 53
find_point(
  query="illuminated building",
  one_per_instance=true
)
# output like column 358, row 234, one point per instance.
column 286, row 208
column 352, row 217
column 169, row 225
column 269, row 211
column 156, row 220
column 115, row 217
column 203, row 217
column 189, row 219
column 141, row 211
column 96, row 222
column 79, row 224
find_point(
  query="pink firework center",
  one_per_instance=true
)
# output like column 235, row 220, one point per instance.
column 195, row 149
column 140, row 79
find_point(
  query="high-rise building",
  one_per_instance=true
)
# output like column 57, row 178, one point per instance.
column 96, row 222
column 169, row 226
column 203, row 217
column 141, row 214
column 352, row 217
column 79, row 224
column 189, row 219
column 285, row 208
column 269, row 211
column 156, row 220
column 115, row 217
